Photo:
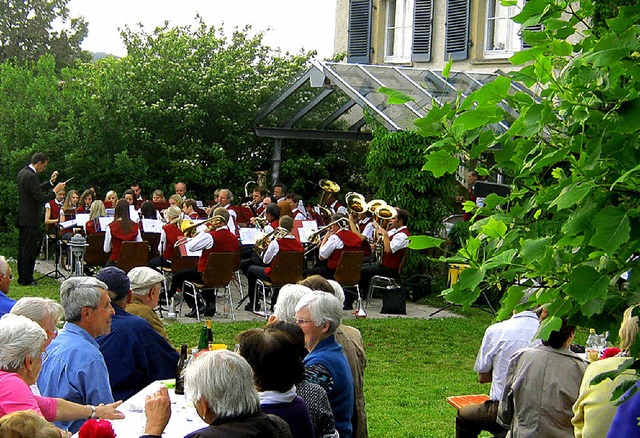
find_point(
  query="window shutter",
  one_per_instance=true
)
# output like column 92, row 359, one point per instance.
column 422, row 30
column 359, row 44
column 535, row 28
column 456, row 43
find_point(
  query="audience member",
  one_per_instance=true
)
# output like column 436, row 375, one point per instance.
column 136, row 355
column 277, row 368
column 28, row 424
column 541, row 387
column 220, row 383
column 146, row 286
column 319, row 314
column 625, row 422
column 75, row 369
column 594, row 410
column 499, row 343
column 44, row 311
column 21, row 357
column 6, row 276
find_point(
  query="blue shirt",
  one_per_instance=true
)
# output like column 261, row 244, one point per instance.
column 75, row 371
column 135, row 354
column 625, row 422
column 6, row 304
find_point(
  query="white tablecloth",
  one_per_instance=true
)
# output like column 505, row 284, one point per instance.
column 184, row 418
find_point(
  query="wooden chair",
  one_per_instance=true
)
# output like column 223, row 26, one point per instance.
column 217, row 275
column 236, row 273
column 348, row 271
column 132, row 255
column 287, row 267
column 95, row 255
column 154, row 241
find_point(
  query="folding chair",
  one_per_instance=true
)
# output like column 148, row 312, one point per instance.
column 132, row 255
column 348, row 271
column 383, row 283
column 217, row 275
column 286, row 268
column 178, row 263
column 95, row 255
column 236, row 275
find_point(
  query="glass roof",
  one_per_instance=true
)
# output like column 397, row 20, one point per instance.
column 330, row 100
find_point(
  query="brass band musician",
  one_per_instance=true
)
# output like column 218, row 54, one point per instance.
column 218, row 239
column 364, row 228
column 333, row 244
column 395, row 243
column 286, row 242
column 169, row 235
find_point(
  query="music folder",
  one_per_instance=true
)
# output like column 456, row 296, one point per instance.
column 104, row 222
column 68, row 224
column 248, row 235
column 81, row 220
column 302, row 229
column 151, row 225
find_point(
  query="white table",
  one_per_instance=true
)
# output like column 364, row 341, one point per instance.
column 184, row 418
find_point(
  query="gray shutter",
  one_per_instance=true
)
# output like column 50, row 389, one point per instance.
column 359, row 44
column 456, row 43
column 422, row 30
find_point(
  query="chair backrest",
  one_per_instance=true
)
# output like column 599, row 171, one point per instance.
column 132, row 255
column 95, row 255
column 180, row 262
column 154, row 241
column 287, row 268
column 348, row 269
column 219, row 270
column 403, row 261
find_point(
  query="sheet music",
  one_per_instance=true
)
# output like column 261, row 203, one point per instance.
column 200, row 204
column 81, row 219
column 133, row 213
column 304, row 233
column 68, row 224
column 151, row 225
column 104, row 222
column 110, row 211
column 248, row 235
column 313, row 225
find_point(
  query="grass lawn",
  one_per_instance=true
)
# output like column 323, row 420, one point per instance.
column 412, row 365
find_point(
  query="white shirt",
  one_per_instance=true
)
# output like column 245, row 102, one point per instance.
column 397, row 240
column 500, row 341
column 299, row 215
column 107, row 238
column 369, row 231
column 273, row 249
column 332, row 243
column 231, row 223
column 202, row 241
column 342, row 209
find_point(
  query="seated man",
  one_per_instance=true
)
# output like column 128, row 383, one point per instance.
column 287, row 242
column 217, row 239
column 75, row 369
column 146, row 287
column 189, row 209
column 500, row 341
column 134, row 352
column 334, row 243
column 541, row 387
column 395, row 243
column 6, row 303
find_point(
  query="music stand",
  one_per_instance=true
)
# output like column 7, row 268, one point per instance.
column 56, row 274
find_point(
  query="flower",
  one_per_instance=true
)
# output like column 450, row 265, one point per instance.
column 96, row 429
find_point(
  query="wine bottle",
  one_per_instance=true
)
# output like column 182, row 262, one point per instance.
column 202, row 343
column 181, row 366
column 209, row 334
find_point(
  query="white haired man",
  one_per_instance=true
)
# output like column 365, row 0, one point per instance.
column 75, row 369
column 45, row 311
column 146, row 286
column 319, row 314
column 6, row 276
column 221, row 385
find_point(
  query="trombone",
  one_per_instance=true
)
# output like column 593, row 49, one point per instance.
column 316, row 237
column 190, row 227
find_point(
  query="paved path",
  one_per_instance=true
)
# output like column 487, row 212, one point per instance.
column 373, row 311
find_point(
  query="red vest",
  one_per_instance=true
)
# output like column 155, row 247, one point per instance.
column 351, row 241
column 223, row 241
column 55, row 214
column 118, row 236
column 392, row 259
column 173, row 233
column 90, row 227
column 285, row 245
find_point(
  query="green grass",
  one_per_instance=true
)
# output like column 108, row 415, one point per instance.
column 412, row 365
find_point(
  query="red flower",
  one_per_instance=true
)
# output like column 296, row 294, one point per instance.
column 96, row 429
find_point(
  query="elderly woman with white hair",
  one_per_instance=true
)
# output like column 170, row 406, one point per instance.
column 319, row 314
column 146, row 285
column 21, row 359
column 221, row 385
column 45, row 311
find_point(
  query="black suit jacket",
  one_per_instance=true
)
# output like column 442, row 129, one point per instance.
column 32, row 196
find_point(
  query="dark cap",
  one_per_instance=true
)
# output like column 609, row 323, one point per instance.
column 117, row 281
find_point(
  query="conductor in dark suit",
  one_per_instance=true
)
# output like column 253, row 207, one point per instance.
column 32, row 196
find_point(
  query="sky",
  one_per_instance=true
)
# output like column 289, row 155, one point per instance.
column 290, row 24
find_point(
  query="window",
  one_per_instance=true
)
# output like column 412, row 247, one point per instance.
column 502, row 36
column 399, row 31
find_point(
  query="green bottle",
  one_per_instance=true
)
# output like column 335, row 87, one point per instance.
column 203, row 344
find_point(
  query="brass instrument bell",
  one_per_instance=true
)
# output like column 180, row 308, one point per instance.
column 328, row 188
column 356, row 202
column 374, row 204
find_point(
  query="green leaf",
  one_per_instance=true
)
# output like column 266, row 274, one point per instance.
column 592, row 307
column 573, row 194
column 418, row 242
column 623, row 387
column 629, row 112
column 625, row 365
column 395, row 97
column 447, row 69
column 586, row 283
column 494, row 228
column 470, row 278
column 623, row 178
column 547, row 326
column 459, row 295
column 509, row 301
column 440, row 163
column 481, row 116
column 502, row 259
column 534, row 249
column 612, row 229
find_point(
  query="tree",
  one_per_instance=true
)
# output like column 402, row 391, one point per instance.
column 572, row 157
column 27, row 32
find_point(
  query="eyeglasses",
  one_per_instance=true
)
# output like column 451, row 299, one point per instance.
column 303, row 321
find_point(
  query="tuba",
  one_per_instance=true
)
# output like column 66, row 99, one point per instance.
column 328, row 187
column 356, row 203
column 383, row 214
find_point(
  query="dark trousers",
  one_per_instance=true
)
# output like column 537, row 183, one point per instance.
column 321, row 269
column 178, row 280
column 366, row 274
column 254, row 273
column 159, row 262
column 472, row 420
column 27, row 253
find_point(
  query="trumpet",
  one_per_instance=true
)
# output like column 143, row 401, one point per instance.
column 262, row 243
column 316, row 237
column 189, row 227
column 260, row 221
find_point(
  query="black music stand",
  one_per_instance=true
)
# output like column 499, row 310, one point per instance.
column 56, row 274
